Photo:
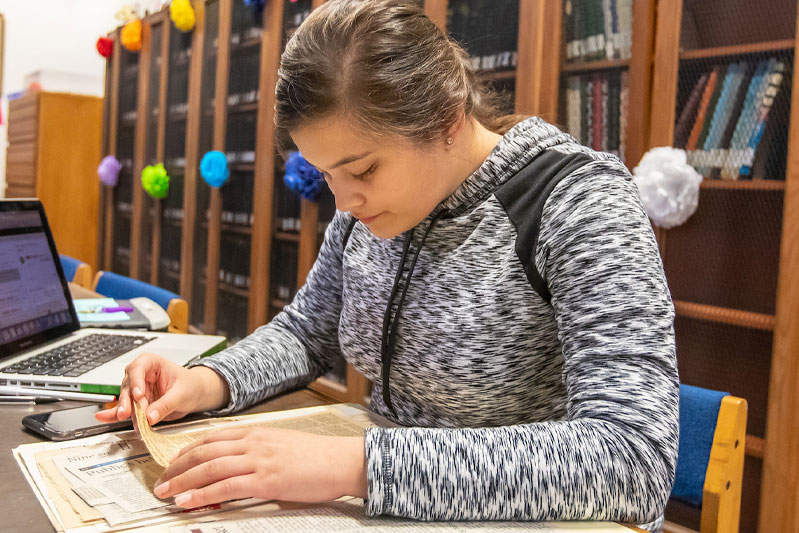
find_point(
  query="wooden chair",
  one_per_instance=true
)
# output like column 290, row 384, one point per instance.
column 76, row 271
column 711, row 458
column 117, row 286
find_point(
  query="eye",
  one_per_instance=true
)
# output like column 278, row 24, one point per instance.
column 363, row 175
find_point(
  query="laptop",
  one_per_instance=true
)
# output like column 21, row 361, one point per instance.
column 41, row 342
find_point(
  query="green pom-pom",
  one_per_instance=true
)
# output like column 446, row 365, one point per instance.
column 155, row 180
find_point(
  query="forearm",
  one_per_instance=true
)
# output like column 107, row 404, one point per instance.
column 216, row 393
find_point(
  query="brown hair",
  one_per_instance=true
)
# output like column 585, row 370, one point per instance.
column 385, row 65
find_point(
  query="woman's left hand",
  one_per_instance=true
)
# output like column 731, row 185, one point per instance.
column 271, row 464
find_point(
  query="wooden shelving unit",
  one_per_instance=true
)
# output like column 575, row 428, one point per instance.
column 731, row 267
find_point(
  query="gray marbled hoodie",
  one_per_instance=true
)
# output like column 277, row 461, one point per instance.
column 517, row 406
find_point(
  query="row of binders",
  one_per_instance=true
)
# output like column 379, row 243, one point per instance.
column 596, row 110
column 598, row 29
column 734, row 124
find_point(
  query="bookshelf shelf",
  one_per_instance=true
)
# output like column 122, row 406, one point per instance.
column 278, row 303
column 235, row 228
column 244, row 45
column 233, row 290
column 497, row 75
column 592, row 66
column 287, row 236
column 755, row 446
column 758, row 185
column 724, row 315
column 736, row 50
column 243, row 108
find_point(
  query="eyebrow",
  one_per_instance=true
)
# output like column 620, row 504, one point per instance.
column 348, row 159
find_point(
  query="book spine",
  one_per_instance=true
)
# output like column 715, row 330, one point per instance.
column 596, row 101
column 742, row 128
column 774, row 82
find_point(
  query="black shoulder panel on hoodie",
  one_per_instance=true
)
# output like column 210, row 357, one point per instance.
column 523, row 196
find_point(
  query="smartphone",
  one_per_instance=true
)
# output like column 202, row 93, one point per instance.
column 73, row 423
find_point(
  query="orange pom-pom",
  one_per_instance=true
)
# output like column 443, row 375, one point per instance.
column 131, row 35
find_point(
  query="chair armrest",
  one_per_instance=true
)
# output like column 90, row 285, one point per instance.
column 83, row 276
column 721, row 494
column 178, row 311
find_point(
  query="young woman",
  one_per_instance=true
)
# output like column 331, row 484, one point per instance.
column 503, row 292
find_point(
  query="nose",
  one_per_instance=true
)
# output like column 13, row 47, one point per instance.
column 347, row 194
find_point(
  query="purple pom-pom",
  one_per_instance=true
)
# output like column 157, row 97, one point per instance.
column 302, row 178
column 108, row 170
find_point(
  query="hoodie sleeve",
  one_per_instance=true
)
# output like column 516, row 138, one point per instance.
column 614, row 456
column 299, row 344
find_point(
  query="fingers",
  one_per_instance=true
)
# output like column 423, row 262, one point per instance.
column 163, row 406
column 232, row 488
column 216, row 436
column 204, row 474
column 200, row 455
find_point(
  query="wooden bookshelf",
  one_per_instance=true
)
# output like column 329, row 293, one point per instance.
column 737, row 50
column 758, row 185
column 765, row 334
column 592, row 66
column 723, row 315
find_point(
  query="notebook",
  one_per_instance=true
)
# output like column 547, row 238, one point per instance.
column 41, row 342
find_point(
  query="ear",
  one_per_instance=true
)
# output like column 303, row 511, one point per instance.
column 457, row 126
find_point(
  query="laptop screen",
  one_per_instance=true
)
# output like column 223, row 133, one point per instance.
column 35, row 306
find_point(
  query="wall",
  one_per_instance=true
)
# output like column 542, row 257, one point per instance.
column 57, row 36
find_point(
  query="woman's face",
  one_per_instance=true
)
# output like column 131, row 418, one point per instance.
column 390, row 186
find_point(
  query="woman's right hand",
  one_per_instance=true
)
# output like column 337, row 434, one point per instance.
column 171, row 391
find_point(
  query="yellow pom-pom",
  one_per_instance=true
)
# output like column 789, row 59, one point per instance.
column 131, row 35
column 182, row 14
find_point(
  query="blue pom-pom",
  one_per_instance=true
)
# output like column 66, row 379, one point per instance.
column 257, row 6
column 302, row 178
column 214, row 169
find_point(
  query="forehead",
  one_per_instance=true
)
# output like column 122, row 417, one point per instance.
column 326, row 141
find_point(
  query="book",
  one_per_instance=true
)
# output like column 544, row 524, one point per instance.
column 688, row 114
column 702, row 155
column 614, row 111
column 772, row 151
column 710, row 87
column 775, row 79
column 719, row 154
column 744, row 124
column 596, row 102
column 573, row 106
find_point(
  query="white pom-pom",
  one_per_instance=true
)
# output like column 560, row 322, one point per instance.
column 669, row 186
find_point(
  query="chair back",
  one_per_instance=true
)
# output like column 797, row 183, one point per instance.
column 76, row 271
column 122, row 287
column 710, row 459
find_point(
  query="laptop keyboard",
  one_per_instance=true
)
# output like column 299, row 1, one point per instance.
column 79, row 356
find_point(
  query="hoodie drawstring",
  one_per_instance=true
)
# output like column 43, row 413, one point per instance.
column 389, row 337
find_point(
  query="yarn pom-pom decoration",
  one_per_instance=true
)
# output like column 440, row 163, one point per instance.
column 108, row 170
column 182, row 14
column 131, row 35
column 302, row 178
column 257, row 6
column 105, row 46
column 214, row 169
column 155, row 180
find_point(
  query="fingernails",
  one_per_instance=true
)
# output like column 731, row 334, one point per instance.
column 182, row 498
column 153, row 416
column 161, row 489
column 174, row 456
column 136, row 392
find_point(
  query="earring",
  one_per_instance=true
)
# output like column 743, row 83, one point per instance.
column 449, row 140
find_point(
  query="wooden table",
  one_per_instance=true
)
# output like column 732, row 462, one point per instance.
column 19, row 507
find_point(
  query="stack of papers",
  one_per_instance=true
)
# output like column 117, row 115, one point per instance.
column 104, row 483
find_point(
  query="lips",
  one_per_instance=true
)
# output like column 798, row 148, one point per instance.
column 367, row 220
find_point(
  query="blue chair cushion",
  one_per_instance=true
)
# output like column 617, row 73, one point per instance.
column 123, row 287
column 699, row 411
column 69, row 265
